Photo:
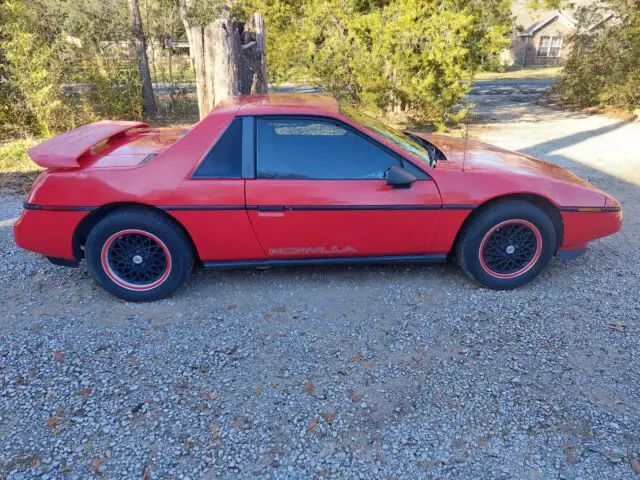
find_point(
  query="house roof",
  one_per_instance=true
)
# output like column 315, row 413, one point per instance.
column 559, row 15
column 608, row 16
column 530, row 21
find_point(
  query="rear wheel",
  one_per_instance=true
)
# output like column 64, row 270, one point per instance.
column 506, row 245
column 138, row 255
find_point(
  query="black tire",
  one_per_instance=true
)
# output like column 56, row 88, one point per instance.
column 138, row 255
column 529, row 236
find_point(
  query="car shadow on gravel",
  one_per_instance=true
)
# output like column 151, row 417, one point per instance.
column 544, row 148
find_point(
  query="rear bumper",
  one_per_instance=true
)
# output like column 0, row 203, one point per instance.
column 48, row 232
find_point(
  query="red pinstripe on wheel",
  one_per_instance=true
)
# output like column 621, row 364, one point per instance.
column 117, row 279
column 528, row 266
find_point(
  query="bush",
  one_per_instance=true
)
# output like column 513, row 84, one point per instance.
column 603, row 69
column 14, row 158
column 407, row 56
column 52, row 81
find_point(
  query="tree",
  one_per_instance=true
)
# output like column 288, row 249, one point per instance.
column 53, row 51
column 387, row 55
column 148, row 99
column 228, row 55
column 603, row 68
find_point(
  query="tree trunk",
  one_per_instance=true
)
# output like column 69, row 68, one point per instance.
column 227, row 61
column 256, row 54
column 197, row 47
column 228, row 58
column 148, row 100
column 184, row 7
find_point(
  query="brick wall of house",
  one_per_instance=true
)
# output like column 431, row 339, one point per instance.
column 526, row 48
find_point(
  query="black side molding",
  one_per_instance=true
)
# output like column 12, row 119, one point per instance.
column 200, row 207
column 287, row 262
column 58, row 208
column 270, row 208
column 459, row 207
column 591, row 209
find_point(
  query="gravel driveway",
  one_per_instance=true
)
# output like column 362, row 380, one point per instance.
column 338, row 372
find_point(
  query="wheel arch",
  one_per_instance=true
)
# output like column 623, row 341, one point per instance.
column 85, row 226
column 537, row 200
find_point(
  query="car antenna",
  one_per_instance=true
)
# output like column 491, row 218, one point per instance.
column 466, row 135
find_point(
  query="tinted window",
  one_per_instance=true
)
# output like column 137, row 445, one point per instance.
column 224, row 160
column 316, row 149
column 398, row 138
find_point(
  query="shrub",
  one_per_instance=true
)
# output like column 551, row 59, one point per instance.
column 14, row 158
column 603, row 68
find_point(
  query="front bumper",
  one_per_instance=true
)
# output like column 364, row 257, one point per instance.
column 571, row 254
column 581, row 227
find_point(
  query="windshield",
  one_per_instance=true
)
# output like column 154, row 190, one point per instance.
column 397, row 138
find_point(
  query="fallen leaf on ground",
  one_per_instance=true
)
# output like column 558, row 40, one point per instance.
column 85, row 392
column 58, row 355
column 568, row 453
column 329, row 417
column 53, row 422
column 635, row 465
column 210, row 396
column 355, row 397
column 308, row 387
column 312, row 424
column 96, row 462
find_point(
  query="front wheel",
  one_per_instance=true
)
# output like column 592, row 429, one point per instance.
column 506, row 245
column 138, row 255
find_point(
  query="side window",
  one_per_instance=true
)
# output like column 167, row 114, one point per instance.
column 224, row 160
column 317, row 149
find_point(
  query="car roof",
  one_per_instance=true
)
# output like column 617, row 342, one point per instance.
column 282, row 103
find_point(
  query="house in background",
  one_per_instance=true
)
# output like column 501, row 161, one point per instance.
column 544, row 42
column 541, row 37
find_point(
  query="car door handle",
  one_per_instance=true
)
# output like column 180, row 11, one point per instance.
column 270, row 208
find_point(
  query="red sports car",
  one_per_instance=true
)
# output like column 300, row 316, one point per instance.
column 298, row 180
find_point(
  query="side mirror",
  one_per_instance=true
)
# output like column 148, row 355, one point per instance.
column 398, row 177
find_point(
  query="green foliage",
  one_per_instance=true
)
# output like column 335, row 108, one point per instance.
column 29, row 67
column 114, row 90
column 59, row 69
column 603, row 69
column 14, row 158
column 388, row 55
column 404, row 56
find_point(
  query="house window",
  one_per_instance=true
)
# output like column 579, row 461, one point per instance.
column 549, row 46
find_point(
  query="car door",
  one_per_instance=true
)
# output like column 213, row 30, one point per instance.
column 320, row 191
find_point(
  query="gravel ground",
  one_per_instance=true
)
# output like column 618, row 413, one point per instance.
column 361, row 372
